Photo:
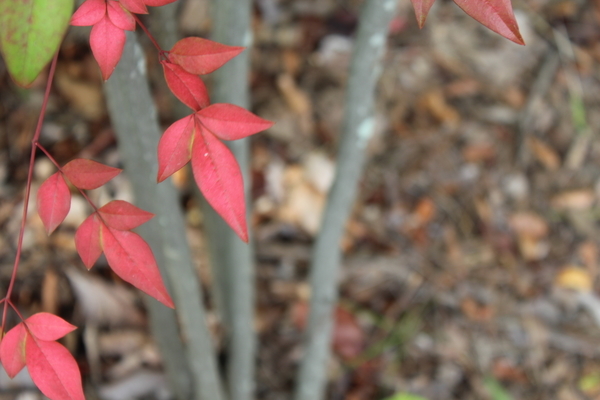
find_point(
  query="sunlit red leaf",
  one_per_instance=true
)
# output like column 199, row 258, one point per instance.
column 202, row 56
column 135, row 6
column 131, row 258
column 87, row 240
column 230, row 122
column 422, row 8
column 219, row 178
column 124, row 216
column 188, row 88
column 53, row 370
column 89, row 13
column 53, row 201
column 497, row 15
column 120, row 17
column 157, row 3
column 107, row 43
column 175, row 147
column 46, row 326
column 88, row 174
column 12, row 350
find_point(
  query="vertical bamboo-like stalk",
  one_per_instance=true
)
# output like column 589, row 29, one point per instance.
column 135, row 121
column 358, row 125
column 232, row 259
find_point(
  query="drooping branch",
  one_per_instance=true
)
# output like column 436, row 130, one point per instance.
column 358, row 125
column 135, row 121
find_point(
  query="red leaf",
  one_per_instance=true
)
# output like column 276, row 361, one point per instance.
column 120, row 17
column 89, row 13
column 46, row 326
column 88, row 174
column 135, row 6
column 188, row 88
column 219, row 178
column 107, row 43
column 422, row 8
column 497, row 15
column 158, row 3
column 131, row 258
column 12, row 350
column 87, row 240
column 53, row 370
column 53, row 201
column 175, row 147
column 124, row 216
column 230, row 122
column 202, row 56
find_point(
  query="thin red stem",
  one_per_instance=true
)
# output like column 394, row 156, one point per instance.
column 34, row 142
column 147, row 32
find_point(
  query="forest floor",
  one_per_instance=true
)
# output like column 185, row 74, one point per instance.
column 472, row 259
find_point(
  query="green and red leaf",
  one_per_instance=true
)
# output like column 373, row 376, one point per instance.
column 30, row 33
column 496, row 15
column 422, row 8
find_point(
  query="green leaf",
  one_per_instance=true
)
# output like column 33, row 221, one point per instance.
column 405, row 396
column 30, row 34
column 495, row 389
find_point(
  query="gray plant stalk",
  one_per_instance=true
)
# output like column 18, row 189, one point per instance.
column 358, row 124
column 232, row 259
column 191, row 366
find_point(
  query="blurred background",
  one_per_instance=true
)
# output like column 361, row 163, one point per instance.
column 471, row 256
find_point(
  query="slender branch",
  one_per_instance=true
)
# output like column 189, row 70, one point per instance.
column 147, row 32
column 135, row 121
column 358, row 125
column 36, row 137
column 232, row 259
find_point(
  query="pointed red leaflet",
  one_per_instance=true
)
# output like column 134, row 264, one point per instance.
column 120, row 17
column 158, row 3
column 87, row 240
column 230, row 122
column 202, row 56
column 188, row 88
column 175, row 147
column 53, row 369
column 88, row 174
column 107, row 43
column 219, row 178
column 53, row 201
column 124, row 216
column 422, row 8
column 135, row 6
column 496, row 15
column 130, row 257
column 89, row 13
column 12, row 350
column 45, row 326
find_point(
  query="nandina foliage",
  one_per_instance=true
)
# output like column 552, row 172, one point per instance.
column 52, row 368
column 107, row 230
column 497, row 15
column 110, row 19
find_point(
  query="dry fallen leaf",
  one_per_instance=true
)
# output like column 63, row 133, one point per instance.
column 528, row 224
column 576, row 278
column 581, row 199
column 544, row 154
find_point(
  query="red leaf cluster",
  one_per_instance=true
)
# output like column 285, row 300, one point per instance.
column 52, row 368
column 107, row 230
column 496, row 15
column 110, row 18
